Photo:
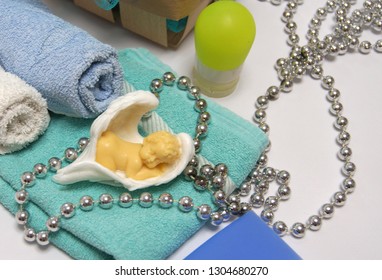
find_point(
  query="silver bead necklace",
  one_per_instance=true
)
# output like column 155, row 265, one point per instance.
column 308, row 60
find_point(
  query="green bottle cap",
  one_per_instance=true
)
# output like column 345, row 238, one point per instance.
column 224, row 34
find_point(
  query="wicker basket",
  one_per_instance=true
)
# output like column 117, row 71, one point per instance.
column 149, row 18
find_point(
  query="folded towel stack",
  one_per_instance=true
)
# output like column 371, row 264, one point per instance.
column 77, row 75
column 23, row 113
column 135, row 232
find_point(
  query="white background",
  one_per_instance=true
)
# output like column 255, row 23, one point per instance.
column 302, row 135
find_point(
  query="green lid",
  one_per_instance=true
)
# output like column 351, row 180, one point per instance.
column 224, row 34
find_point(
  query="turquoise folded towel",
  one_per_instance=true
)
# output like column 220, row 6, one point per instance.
column 77, row 75
column 136, row 232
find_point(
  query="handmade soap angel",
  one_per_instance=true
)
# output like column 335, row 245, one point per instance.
column 119, row 155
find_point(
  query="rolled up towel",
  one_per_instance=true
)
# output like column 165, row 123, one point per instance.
column 78, row 75
column 23, row 113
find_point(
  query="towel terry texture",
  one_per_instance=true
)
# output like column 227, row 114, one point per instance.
column 77, row 75
column 135, row 232
column 24, row 114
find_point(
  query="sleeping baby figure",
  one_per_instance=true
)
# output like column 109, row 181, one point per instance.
column 139, row 161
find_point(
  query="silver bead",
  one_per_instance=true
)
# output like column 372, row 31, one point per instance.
column 284, row 192
column 283, row 177
column 315, row 23
column 339, row 199
column 204, row 212
column 169, row 79
column 22, row 217
column 286, row 16
column 333, row 95
column 264, row 127
column 356, row 15
column 83, row 143
column 349, row 169
column 348, row 185
column 281, row 63
column 378, row 46
column 204, row 117
column 286, row 85
column 367, row 19
column 262, row 102
column 299, row 72
column 183, row 83
column 312, row 34
column 352, row 42
column 316, row 72
column 190, row 173
column 336, row 108
column 263, row 160
column 28, row 179
column 105, row 201
column 218, row 181
column 327, row 211
column 365, row 47
column 156, row 86
column 185, row 204
column 327, row 82
column 314, row 223
column 330, row 6
column 219, row 197
column 200, row 105
column 255, row 173
column 125, row 200
column 53, row 224
column 284, row 73
column 321, row 13
column 207, row 171
column 273, row 93
column 197, row 145
column 257, row 200
column 298, row 230
column 71, row 154
column 193, row 92
column 280, row 228
column 40, row 170
column 216, row 219
column 221, row 169
column 226, row 215
column 292, row 6
column 146, row 200
column 194, row 161
column 293, row 39
column 272, row 202
column 260, row 116
column 267, row 215
column 201, row 130
column 333, row 50
column 344, row 153
column 245, row 188
column 343, row 138
column 262, row 186
column 165, row 200
column 200, row 183
column 67, row 210
column 233, row 198
column 86, row 203
column 42, row 238
column 342, row 49
column 21, row 196
column 234, row 208
column 29, row 234
column 290, row 27
column 245, row 207
column 54, row 164
column 341, row 123
column 269, row 174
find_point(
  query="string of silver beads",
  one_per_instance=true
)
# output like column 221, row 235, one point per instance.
column 307, row 60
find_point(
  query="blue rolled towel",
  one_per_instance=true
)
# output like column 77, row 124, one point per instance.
column 135, row 232
column 77, row 75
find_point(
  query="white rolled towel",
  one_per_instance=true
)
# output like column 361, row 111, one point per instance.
column 23, row 113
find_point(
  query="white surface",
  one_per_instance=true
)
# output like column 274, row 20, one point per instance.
column 302, row 134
